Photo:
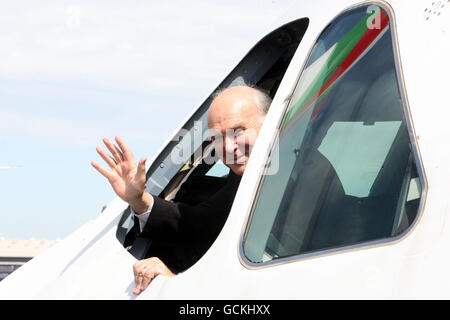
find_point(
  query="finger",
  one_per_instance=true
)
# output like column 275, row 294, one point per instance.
column 141, row 167
column 140, row 274
column 137, row 283
column 108, row 159
column 127, row 154
column 136, row 268
column 147, row 275
column 141, row 281
column 113, row 149
column 136, row 291
column 118, row 152
column 145, row 282
column 104, row 172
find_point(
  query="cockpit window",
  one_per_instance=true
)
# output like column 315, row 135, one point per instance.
column 186, row 170
column 347, row 173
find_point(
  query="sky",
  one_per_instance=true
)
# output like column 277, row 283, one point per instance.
column 73, row 72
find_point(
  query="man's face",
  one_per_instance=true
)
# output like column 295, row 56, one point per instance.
column 234, row 122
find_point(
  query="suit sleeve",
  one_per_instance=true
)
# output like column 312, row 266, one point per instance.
column 174, row 222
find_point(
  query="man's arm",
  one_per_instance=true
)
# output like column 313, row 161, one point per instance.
column 168, row 222
column 184, row 223
column 143, row 217
column 128, row 181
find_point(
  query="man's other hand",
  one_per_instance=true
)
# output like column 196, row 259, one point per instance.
column 146, row 270
column 126, row 178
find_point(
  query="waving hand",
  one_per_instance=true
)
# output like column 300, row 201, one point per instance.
column 126, row 178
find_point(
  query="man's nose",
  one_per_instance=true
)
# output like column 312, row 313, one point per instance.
column 229, row 144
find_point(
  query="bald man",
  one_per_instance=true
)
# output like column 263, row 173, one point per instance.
column 182, row 233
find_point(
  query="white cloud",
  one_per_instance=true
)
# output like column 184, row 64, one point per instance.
column 64, row 63
column 151, row 46
column 74, row 71
column 8, row 167
column 52, row 129
column 55, row 131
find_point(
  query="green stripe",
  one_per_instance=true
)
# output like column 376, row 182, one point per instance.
column 343, row 48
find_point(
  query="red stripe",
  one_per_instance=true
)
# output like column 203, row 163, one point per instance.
column 368, row 37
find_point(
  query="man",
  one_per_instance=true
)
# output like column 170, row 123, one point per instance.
column 183, row 233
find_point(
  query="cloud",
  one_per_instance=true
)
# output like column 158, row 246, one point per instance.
column 9, row 167
column 150, row 46
column 73, row 71
column 49, row 128
column 55, row 131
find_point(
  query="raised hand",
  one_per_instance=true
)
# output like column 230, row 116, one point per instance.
column 126, row 178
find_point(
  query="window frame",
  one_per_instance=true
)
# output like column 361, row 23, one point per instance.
column 414, row 149
column 246, row 69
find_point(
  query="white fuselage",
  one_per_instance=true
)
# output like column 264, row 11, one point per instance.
column 92, row 264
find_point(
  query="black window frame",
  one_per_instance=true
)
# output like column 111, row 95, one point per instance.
column 272, row 50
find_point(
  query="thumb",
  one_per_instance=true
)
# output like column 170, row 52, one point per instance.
column 141, row 167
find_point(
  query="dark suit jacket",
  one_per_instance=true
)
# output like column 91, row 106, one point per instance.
column 182, row 233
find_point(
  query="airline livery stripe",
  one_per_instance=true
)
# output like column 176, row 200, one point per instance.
column 359, row 48
column 348, row 50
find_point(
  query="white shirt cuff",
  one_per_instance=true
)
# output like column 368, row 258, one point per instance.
column 143, row 217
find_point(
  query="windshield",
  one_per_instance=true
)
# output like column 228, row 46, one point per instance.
column 346, row 171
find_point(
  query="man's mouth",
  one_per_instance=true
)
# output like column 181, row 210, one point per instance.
column 239, row 160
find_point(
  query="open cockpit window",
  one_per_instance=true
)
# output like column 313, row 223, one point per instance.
column 347, row 171
column 187, row 169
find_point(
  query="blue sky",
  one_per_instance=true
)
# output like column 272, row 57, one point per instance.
column 72, row 72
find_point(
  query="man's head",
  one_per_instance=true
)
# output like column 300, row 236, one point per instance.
column 234, row 120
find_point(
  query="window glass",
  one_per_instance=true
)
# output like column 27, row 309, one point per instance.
column 219, row 169
column 346, row 173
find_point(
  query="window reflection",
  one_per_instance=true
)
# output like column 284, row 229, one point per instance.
column 347, row 174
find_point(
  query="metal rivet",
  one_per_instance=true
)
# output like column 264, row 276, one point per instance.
column 161, row 165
